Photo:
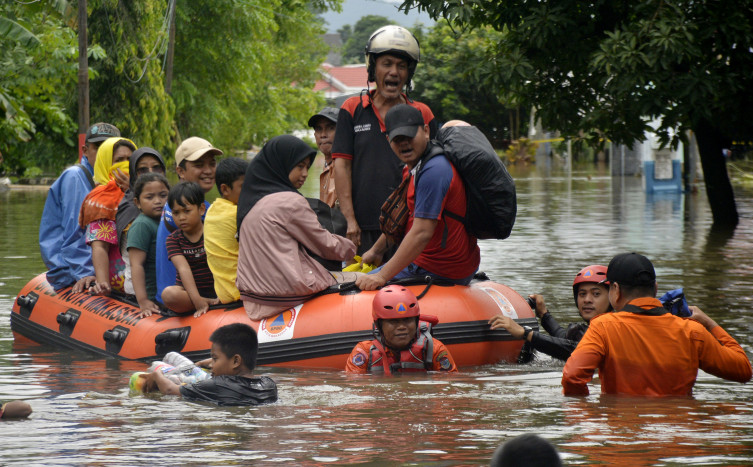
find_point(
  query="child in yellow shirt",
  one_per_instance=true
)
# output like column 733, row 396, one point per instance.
column 220, row 228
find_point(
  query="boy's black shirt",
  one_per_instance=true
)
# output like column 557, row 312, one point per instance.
column 228, row 390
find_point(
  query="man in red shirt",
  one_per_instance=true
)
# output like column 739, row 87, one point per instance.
column 644, row 350
column 435, row 244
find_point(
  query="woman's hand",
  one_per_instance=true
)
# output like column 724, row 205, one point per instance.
column 122, row 180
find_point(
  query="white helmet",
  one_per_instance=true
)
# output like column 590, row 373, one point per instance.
column 394, row 39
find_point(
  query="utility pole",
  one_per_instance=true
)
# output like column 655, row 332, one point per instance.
column 83, row 78
column 172, row 5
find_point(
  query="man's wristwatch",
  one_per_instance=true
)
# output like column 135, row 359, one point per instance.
column 526, row 331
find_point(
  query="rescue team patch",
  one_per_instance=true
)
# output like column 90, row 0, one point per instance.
column 444, row 363
column 444, row 360
column 279, row 327
column 359, row 359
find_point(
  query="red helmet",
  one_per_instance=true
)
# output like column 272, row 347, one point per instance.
column 394, row 302
column 594, row 273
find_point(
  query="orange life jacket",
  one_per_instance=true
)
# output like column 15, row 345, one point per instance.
column 417, row 357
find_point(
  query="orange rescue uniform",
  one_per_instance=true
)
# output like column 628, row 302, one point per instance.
column 358, row 361
column 651, row 354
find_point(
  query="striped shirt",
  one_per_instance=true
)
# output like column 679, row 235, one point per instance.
column 178, row 244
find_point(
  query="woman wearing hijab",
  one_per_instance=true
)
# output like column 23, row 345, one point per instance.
column 277, row 228
column 97, row 216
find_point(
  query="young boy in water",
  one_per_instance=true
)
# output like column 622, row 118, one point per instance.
column 194, row 289
column 220, row 229
column 233, row 359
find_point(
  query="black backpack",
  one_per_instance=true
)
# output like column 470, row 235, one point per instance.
column 491, row 203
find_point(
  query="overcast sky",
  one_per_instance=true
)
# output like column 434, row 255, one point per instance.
column 353, row 10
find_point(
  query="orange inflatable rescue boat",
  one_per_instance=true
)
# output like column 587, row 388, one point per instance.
column 317, row 334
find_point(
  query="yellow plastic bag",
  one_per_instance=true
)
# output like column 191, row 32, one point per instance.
column 357, row 266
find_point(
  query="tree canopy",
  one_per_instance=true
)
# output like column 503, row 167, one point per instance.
column 448, row 81
column 609, row 67
column 243, row 71
column 358, row 36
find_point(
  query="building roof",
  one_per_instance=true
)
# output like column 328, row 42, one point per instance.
column 340, row 80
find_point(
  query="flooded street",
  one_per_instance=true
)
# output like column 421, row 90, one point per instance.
column 84, row 414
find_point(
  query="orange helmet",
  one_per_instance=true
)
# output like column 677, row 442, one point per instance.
column 594, row 273
column 394, row 302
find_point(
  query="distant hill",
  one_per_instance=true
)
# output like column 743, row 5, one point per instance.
column 353, row 10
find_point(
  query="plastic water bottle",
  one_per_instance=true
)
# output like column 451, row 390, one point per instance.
column 184, row 370
column 177, row 360
column 166, row 369
column 159, row 365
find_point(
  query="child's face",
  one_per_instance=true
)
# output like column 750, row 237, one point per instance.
column 188, row 217
column 200, row 171
column 233, row 192
column 152, row 199
column 222, row 364
column 299, row 173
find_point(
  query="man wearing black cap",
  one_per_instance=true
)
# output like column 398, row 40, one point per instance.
column 324, row 124
column 643, row 349
column 61, row 240
column 435, row 243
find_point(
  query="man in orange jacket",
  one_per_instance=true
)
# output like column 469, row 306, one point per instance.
column 643, row 349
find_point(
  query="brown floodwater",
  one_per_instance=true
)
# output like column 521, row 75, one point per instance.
column 84, row 414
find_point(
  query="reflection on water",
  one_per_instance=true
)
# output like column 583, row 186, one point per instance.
column 84, row 414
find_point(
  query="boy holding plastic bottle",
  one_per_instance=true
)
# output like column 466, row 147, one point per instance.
column 233, row 359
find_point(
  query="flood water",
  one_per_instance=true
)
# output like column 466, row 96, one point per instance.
column 84, row 414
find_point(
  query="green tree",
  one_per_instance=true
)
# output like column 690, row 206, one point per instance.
column 613, row 65
column 448, row 81
column 37, row 69
column 129, row 90
column 353, row 48
column 244, row 70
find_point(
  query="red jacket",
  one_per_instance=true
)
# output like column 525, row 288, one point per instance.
column 651, row 354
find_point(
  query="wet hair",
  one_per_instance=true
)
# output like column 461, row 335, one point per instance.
column 123, row 142
column 148, row 177
column 229, row 170
column 185, row 193
column 237, row 339
column 527, row 450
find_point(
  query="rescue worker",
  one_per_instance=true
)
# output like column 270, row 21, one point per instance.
column 402, row 338
column 642, row 349
column 592, row 299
